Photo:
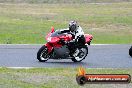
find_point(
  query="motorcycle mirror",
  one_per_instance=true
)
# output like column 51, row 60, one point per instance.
column 52, row 29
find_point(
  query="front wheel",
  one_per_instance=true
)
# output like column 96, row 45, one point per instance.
column 83, row 51
column 42, row 54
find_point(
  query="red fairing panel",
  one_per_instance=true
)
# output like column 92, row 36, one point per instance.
column 67, row 37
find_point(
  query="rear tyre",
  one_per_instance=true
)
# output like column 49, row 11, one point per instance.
column 83, row 51
column 130, row 51
column 42, row 54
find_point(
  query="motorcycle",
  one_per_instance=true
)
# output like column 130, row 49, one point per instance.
column 130, row 51
column 56, row 49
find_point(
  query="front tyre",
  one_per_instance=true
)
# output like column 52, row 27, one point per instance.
column 42, row 54
column 83, row 51
column 130, row 51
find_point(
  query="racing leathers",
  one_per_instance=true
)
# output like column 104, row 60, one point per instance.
column 78, row 38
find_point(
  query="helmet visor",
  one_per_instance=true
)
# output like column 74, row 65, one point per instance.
column 72, row 28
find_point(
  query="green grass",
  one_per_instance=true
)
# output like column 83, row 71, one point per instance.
column 29, row 23
column 52, row 77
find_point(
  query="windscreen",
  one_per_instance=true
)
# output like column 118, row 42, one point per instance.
column 57, row 33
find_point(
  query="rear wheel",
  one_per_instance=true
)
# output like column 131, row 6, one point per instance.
column 83, row 51
column 42, row 54
column 130, row 51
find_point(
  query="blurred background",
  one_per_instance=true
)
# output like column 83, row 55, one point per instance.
column 28, row 21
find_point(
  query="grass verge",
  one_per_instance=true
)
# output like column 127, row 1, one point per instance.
column 53, row 78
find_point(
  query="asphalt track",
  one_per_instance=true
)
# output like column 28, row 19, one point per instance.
column 100, row 56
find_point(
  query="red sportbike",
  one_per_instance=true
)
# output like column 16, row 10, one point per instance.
column 56, row 49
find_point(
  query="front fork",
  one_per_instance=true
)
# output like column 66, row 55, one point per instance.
column 49, row 47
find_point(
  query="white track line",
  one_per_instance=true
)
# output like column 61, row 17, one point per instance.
column 55, row 67
column 43, row 44
column 21, row 67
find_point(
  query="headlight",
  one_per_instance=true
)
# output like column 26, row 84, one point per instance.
column 49, row 39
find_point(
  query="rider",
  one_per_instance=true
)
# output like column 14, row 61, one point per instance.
column 77, row 34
